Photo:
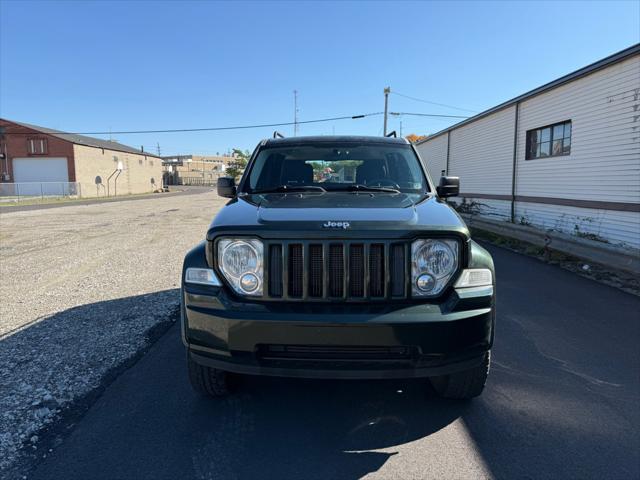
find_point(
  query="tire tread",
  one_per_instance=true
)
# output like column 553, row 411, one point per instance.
column 466, row 384
column 205, row 380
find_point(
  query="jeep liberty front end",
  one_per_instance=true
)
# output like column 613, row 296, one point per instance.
column 337, row 257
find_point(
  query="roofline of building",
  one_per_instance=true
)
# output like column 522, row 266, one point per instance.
column 138, row 152
column 56, row 134
column 582, row 72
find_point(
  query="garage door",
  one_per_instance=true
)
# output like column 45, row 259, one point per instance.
column 43, row 169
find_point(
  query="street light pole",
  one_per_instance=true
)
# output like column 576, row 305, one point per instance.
column 387, row 91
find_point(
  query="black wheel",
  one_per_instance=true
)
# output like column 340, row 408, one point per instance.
column 463, row 385
column 207, row 381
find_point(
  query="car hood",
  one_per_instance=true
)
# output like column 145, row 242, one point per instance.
column 335, row 213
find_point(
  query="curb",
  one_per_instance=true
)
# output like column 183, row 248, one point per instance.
column 597, row 252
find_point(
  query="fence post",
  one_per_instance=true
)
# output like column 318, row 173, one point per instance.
column 41, row 192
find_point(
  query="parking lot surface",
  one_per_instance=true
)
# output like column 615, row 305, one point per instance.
column 84, row 288
column 90, row 284
column 561, row 402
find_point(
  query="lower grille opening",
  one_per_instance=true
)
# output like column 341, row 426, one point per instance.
column 338, row 352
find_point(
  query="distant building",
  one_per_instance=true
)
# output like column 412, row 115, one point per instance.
column 194, row 169
column 44, row 160
column 564, row 156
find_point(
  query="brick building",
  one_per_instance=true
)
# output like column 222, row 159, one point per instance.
column 32, row 155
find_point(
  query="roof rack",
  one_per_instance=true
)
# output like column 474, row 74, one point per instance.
column 392, row 134
column 277, row 134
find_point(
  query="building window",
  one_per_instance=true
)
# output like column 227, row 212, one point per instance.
column 550, row 141
column 37, row 146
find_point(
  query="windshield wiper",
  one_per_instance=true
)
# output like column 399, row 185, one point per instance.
column 291, row 188
column 357, row 187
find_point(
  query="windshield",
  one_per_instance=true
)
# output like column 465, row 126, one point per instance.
column 389, row 168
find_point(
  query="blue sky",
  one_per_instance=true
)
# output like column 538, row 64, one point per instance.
column 100, row 66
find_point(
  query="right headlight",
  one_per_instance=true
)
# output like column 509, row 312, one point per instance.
column 240, row 260
column 433, row 264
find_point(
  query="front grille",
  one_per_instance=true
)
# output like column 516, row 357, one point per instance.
column 332, row 270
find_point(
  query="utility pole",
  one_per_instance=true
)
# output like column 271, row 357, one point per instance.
column 400, row 128
column 387, row 91
column 295, row 113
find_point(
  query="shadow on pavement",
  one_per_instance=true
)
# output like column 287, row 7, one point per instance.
column 55, row 367
column 150, row 424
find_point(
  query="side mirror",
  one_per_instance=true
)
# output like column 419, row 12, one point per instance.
column 227, row 187
column 449, row 187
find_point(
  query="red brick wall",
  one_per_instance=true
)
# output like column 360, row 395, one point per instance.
column 14, row 145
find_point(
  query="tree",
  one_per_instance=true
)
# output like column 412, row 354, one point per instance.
column 239, row 163
column 413, row 138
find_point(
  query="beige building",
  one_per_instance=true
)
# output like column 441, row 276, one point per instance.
column 194, row 169
column 37, row 160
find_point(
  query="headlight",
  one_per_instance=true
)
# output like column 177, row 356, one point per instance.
column 433, row 264
column 240, row 261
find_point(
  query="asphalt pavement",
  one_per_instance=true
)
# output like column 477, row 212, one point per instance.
column 562, row 401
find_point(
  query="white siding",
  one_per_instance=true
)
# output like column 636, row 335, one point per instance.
column 434, row 154
column 481, row 153
column 604, row 164
column 620, row 228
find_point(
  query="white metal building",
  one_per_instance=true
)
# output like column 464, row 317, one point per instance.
column 565, row 156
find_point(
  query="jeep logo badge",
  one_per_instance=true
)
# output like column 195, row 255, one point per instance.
column 343, row 225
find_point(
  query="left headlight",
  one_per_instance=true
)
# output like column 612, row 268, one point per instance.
column 240, row 261
column 433, row 264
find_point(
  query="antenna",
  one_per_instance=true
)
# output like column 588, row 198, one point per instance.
column 295, row 113
column 158, row 148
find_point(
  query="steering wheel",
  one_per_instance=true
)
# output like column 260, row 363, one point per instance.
column 383, row 182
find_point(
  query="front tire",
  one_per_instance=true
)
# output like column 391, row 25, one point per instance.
column 207, row 381
column 463, row 385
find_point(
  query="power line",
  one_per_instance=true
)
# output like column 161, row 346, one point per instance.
column 432, row 103
column 211, row 129
column 427, row 115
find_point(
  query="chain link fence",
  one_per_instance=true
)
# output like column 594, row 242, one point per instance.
column 38, row 191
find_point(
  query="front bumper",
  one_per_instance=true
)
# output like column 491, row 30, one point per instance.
column 338, row 340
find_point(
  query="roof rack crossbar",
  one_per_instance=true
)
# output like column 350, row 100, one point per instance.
column 277, row 134
column 392, row 134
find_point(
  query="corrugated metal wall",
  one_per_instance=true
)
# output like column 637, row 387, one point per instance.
column 604, row 164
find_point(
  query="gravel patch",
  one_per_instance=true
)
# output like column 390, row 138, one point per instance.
column 85, row 290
